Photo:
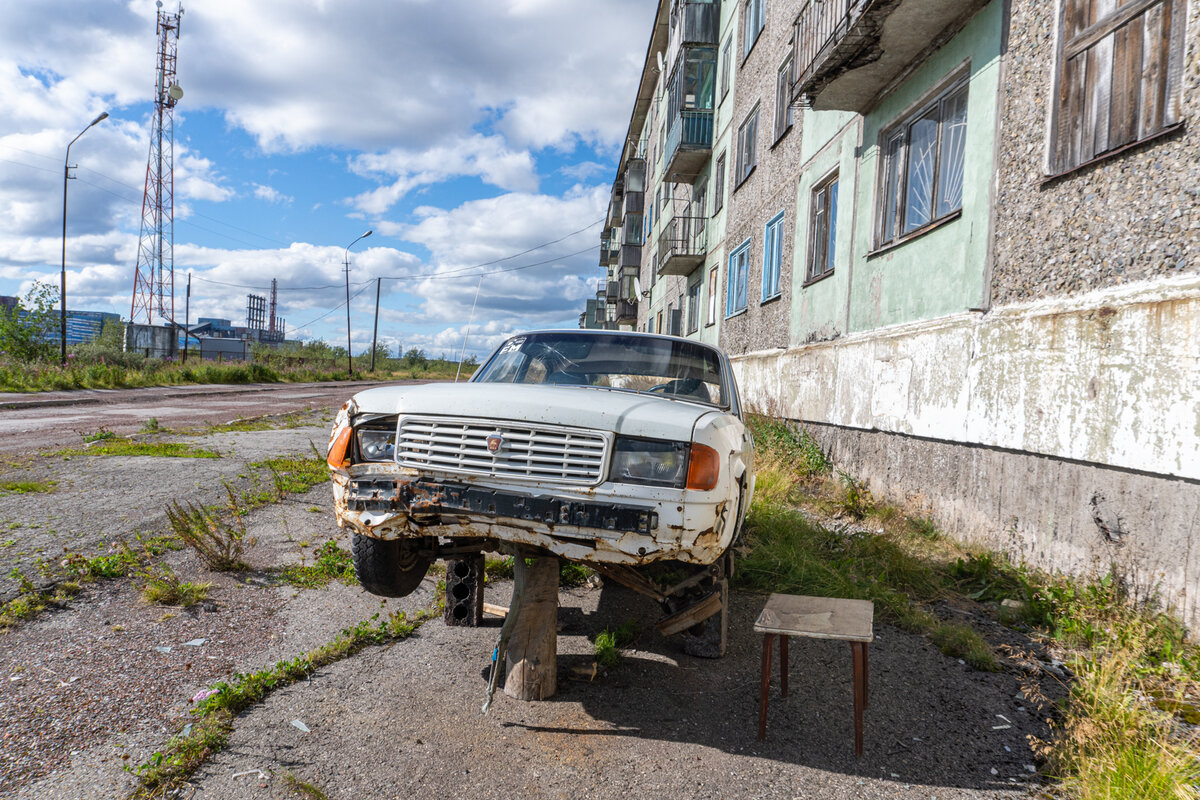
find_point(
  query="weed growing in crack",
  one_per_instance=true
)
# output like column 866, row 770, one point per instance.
column 331, row 562
column 609, row 643
column 219, row 539
column 164, row 587
column 170, row 767
column 303, row 788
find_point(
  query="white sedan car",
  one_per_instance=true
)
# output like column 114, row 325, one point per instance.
column 623, row 451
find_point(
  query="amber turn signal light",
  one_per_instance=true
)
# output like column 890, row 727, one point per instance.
column 703, row 468
column 337, row 450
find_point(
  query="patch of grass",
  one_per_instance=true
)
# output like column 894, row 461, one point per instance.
column 126, row 447
column 571, row 574
column 856, row 500
column 165, row 588
column 29, row 487
column 295, row 474
column 218, row 538
column 303, row 788
column 119, row 561
column 150, row 425
column 497, row 569
column 28, row 604
column 609, row 643
column 168, row 768
column 963, row 641
column 99, row 435
column 331, row 562
column 788, row 443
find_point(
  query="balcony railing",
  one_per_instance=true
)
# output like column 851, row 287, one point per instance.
column 838, row 61
column 601, row 290
column 682, row 245
column 625, row 312
column 689, row 145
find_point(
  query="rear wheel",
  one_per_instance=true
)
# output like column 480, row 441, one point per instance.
column 388, row 568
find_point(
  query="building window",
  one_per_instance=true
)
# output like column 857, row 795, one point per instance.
column 712, row 297
column 658, row 323
column 726, row 57
column 739, row 276
column 822, row 228
column 1119, row 68
column 650, row 325
column 752, row 24
column 693, row 307
column 747, row 153
column 922, row 177
column 783, row 106
column 699, row 206
column 719, row 185
column 772, row 256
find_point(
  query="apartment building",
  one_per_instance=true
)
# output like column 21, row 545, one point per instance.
column 959, row 240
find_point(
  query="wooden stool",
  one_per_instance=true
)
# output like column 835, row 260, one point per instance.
column 817, row 618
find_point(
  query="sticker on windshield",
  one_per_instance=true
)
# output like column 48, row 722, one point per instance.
column 512, row 345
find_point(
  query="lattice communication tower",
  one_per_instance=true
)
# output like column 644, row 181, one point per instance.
column 154, row 278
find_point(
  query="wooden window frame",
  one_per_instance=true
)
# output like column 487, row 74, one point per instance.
column 893, row 184
column 822, row 229
column 784, row 113
column 1111, row 91
column 719, row 184
column 772, row 267
column 712, row 296
column 738, row 276
column 747, row 146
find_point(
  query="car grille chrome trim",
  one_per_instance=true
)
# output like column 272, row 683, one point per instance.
column 528, row 452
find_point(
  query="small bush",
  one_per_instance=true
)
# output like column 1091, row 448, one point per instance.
column 331, row 563
column 220, row 541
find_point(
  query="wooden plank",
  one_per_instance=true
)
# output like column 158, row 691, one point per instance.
column 1081, row 38
column 1126, row 84
column 1153, row 72
column 532, row 653
column 1098, row 99
column 1074, row 78
column 1173, row 50
column 817, row 617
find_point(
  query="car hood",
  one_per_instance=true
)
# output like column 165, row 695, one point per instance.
column 625, row 413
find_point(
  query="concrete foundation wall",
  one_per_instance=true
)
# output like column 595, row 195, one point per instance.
column 1065, row 432
column 1050, row 513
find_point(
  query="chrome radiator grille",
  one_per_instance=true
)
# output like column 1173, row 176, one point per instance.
column 449, row 444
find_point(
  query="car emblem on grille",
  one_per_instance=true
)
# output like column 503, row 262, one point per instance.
column 494, row 442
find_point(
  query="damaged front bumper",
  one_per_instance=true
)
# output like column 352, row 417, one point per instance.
column 384, row 501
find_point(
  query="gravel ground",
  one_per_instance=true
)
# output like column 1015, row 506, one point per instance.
column 98, row 500
column 404, row 721
column 83, row 687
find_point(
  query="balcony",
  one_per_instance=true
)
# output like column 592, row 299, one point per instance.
column 695, row 22
column 601, row 291
column 681, row 246
column 630, row 257
column 613, row 291
column 625, row 312
column 616, row 204
column 689, row 145
column 845, row 53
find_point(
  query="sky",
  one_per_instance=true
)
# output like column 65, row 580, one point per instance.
column 473, row 137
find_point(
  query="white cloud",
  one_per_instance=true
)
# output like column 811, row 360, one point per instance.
column 484, row 156
column 271, row 194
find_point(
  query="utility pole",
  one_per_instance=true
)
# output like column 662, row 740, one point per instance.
column 375, row 335
column 346, row 262
column 187, row 308
column 62, row 287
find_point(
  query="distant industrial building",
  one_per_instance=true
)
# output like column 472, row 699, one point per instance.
column 82, row 326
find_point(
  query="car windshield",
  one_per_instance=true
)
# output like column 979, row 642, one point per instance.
column 667, row 367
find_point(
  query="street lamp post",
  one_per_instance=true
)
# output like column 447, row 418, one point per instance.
column 62, row 288
column 349, row 351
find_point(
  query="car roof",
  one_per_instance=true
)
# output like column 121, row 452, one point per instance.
column 598, row 332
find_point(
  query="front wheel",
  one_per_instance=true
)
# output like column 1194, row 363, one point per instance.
column 388, row 568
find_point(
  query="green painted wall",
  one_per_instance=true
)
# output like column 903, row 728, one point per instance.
column 942, row 271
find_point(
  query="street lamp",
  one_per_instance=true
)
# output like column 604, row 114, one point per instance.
column 62, row 288
column 349, row 351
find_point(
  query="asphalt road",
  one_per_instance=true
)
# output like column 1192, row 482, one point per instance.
column 40, row 420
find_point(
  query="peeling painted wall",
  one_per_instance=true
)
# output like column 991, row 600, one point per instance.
column 1110, row 378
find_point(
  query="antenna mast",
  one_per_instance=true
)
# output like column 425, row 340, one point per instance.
column 154, row 277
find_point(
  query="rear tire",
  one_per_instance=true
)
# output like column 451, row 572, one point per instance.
column 388, row 568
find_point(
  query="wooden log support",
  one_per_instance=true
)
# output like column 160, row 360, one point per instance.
column 532, row 652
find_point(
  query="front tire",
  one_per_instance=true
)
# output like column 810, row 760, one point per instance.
column 388, row 568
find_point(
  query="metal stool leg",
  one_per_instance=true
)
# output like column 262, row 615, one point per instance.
column 783, row 663
column 768, row 641
column 857, row 650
